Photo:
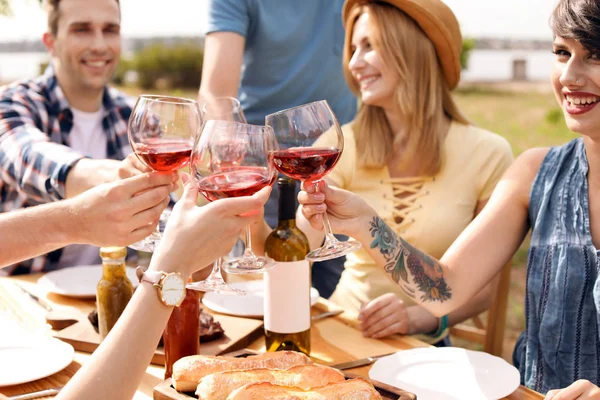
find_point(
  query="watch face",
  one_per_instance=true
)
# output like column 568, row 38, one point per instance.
column 173, row 289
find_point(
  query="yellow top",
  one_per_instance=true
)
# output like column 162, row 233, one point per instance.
column 434, row 210
column 113, row 252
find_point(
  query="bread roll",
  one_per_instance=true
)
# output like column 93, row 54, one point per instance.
column 354, row 389
column 219, row 385
column 188, row 371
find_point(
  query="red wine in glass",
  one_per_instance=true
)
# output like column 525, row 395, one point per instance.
column 161, row 131
column 297, row 129
column 232, row 159
column 228, row 153
column 234, row 182
column 165, row 155
column 305, row 163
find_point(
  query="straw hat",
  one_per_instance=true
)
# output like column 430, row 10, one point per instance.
column 439, row 24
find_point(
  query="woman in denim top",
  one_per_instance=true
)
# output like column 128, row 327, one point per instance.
column 555, row 193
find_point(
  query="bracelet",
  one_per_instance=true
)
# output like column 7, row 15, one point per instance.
column 443, row 325
column 435, row 336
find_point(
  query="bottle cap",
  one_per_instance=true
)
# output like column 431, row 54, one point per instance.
column 113, row 252
column 284, row 180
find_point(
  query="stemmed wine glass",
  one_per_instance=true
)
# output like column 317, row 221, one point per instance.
column 223, row 108
column 296, row 130
column 161, row 133
column 231, row 159
column 227, row 108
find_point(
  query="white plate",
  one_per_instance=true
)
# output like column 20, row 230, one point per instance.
column 250, row 305
column 33, row 358
column 447, row 374
column 78, row 281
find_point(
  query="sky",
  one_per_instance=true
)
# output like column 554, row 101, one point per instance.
column 158, row 18
column 527, row 19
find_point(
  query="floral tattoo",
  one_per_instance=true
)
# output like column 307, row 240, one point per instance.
column 402, row 258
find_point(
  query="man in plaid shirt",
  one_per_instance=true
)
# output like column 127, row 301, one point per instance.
column 65, row 131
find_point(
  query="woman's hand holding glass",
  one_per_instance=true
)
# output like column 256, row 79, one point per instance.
column 196, row 236
column 296, row 130
column 231, row 159
column 347, row 213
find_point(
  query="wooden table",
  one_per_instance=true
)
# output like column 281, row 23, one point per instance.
column 333, row 339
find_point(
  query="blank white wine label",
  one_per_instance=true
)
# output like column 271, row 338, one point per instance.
column 287, row 297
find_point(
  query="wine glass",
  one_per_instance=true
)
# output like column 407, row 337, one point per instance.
column 296, row 130
column 231, row 159
column 223, row 108
column 161, row 133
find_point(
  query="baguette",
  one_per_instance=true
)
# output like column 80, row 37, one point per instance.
column 219, row 385
column 354, row 389
column 188, row 371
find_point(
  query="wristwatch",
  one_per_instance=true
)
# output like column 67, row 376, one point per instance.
column 170, row 286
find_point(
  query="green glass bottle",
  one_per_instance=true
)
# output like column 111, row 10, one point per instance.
column 287, row 285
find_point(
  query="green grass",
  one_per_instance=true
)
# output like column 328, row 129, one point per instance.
column 527, row 117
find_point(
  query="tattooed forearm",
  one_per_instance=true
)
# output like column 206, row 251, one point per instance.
column 402, row 258
column 410, row 292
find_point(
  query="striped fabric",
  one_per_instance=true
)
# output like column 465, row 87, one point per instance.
column 35, row 158
column 561, row 343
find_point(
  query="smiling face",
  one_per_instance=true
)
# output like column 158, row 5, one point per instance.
column 376, row 82
column 86, row 44
column 576, row 83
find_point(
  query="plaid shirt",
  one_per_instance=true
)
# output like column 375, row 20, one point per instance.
column 35, row 157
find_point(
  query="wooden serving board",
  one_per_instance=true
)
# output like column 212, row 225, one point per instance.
column 166, row 391
column 239, row 333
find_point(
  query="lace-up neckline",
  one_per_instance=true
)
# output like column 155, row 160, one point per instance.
column 405, row 193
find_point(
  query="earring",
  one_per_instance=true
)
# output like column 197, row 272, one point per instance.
column 577, row 81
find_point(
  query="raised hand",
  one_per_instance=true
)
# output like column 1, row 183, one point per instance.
column 347, row 212
column 196, row 236
column 131, row 166
column 122, row 212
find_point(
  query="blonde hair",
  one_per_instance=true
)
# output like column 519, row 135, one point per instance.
column 422, row 99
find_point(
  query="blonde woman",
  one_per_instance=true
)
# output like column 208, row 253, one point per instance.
column 410, row 154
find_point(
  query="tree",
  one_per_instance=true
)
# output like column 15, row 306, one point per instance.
column 176, row 66
column 5, row 7
column 467, row 46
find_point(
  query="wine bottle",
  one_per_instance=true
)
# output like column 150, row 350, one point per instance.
column 287, row 285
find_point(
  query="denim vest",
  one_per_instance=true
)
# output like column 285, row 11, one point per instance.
column 562, row 303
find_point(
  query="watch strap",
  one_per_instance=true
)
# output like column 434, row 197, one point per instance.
column 145, row 275
column 155, row 278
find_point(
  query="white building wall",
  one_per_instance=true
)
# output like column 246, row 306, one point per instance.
column 497, row 65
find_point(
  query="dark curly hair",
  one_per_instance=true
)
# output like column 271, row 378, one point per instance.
column 578, row 20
